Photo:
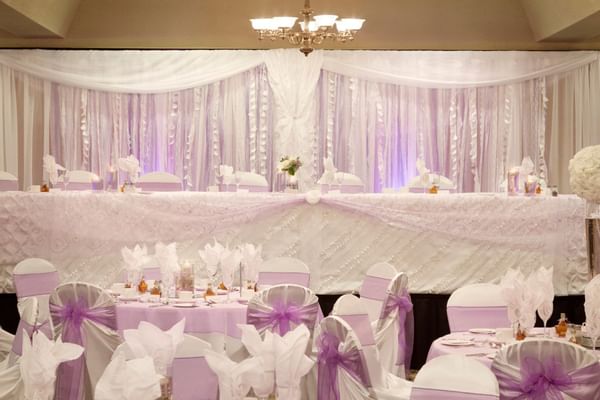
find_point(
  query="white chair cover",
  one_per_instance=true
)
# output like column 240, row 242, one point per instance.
column 34, row 278
column 350, row 183
column 283, row 270
column 11, row 384
column 547, row 369
column 8, row 182
column 159, row 182
column 192, row 377
column 6, row 341
column 246, row 181
column 27, row 326
column 394, row 331
column 374, row 287
column 235, row 379
column 81, row 180
column 345, row 371
column 281, row 308
column 479, row 305
column 83, row 314
column 454, row 377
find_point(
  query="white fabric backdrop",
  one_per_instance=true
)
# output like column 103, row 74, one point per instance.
column 374, row 112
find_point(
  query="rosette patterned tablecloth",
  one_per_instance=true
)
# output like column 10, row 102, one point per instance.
column 441, row 241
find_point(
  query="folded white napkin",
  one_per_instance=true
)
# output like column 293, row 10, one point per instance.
column 128, row 380
column 149, row 340
column 527, row 167
column 264, row 350
column 134, row 259
column 51, row 168
column 235, row 379
column 166, row 257
column 251, row 259
column 39, row 361
column 227, row 175
column 211, row 255
column 291, row 362
column 423, row 172
column 328, row 176
column 131, row 165
column 512, row 287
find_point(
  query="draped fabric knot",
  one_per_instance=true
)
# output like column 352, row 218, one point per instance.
column 547, row 380
column 70, row 375
column 282, row 315
column 403, row 304
column 330, row 358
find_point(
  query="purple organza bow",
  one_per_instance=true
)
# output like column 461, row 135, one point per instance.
column 71, row 316
column 330, row 359
column 404, row 305
column 282, row 315
column 541, row 381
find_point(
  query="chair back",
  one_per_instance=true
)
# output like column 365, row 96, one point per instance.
column 159, row 182
column 345, row 183
column 343, row 372
column 192, row 377
column 281, row 308
column 567, row 370
column 83, row 314
column 283, row 270
column 8, row 182
column 374, row 287
column 81, row 180
column 351, row 309
column 249, row 181
column 454, row 377
column 35, row 279
column 479, row 305
column 394, row 332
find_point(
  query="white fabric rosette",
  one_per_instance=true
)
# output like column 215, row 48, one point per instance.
column 39, row 361
column 251, row 259
column 150, row 341
column 291, row 362
column 128, row 380
column 235, row 379
column 166, row 257
column 131, row 165
column 227, row 175
column 51, row 168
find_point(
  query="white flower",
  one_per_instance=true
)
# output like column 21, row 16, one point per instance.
column 584, row 169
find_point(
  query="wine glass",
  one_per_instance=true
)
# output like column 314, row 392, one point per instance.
column 238, row 180
column 66, row 178
column 545, row 312
column 339, row 177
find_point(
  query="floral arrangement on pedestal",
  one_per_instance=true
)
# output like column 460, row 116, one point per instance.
column 290, row 165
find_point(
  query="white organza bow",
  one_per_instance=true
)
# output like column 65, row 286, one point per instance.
column 166, row 257
column 423, row 172
column 328, row 176
column 235, row 379
column 134, row 259
column 291, row 362
column 264, row 350
column 39, row 361
column 251, row 259
column 128, row 380
column 131, row 165
column 226, row 172
column 149, row 340
column 211, row 255
column 51, row 168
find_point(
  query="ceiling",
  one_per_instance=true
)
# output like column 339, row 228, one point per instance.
column 223, row 24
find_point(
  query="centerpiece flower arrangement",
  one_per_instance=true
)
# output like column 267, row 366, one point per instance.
column 290, row 165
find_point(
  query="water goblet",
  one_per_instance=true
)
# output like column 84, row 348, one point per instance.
column 66, row 178
column 545, row 312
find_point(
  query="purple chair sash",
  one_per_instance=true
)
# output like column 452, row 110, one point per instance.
column 330, row 359
column 6, row 186
column 281, row 315
column 548, row 380
column 280, row 278
column 404, row 306
column 464, row 318
column 160, row 186
column 44, row 327
column 374, row 287
column 70, row 375
column 35, row 284
column 193, row 379
column 418, row 393
column 362, row 328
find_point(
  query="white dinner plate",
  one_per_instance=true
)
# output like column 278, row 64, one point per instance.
column 129, row 298
column 483, row 331
column 457, row 342
column 185, row 305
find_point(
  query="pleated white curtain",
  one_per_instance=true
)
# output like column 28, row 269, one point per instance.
column 470, row 115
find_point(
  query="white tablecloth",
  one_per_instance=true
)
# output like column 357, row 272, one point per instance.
column 441, row 241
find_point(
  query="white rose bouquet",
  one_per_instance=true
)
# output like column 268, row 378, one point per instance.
column 290, row 165
column 584, row 170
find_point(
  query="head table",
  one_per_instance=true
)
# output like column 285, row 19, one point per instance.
column 441, row 241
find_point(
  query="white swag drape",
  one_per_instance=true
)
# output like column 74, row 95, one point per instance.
column 470, row 115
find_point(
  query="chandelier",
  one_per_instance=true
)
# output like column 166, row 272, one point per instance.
column 313, row 30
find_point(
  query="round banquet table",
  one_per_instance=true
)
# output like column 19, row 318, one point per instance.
column 481, row 349
column 215, row 323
